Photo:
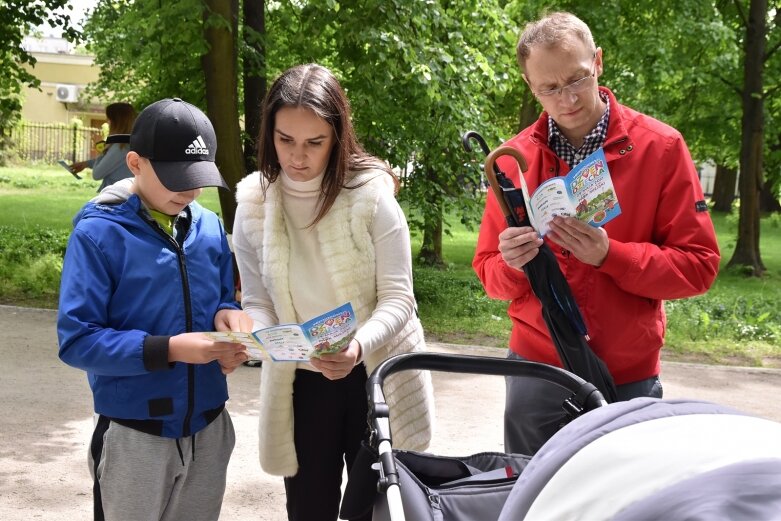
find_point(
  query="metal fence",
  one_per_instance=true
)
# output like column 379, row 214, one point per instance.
column 50, row 142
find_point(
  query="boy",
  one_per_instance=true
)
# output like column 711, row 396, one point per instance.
column 145, row 267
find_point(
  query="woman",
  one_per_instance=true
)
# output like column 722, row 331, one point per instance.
column 110, row 165
column 317, row 227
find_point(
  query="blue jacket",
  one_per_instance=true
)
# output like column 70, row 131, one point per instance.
column 127, row 286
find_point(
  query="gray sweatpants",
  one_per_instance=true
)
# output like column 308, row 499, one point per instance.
column 143, row 477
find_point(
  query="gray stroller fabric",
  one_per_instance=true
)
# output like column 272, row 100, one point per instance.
column 441, row 488
column 749, row 490
column 602, row 463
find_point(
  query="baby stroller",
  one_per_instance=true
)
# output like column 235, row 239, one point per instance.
column 656, row 459
column 397, row 484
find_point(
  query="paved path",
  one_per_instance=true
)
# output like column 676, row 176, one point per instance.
column 46, row 414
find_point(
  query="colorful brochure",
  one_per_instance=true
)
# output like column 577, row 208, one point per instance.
column 586, row 192
column 328, row 333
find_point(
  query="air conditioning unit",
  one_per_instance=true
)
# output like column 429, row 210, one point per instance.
column 67, row 93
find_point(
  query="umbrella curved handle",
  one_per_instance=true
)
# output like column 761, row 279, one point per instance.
column 471, row 134
column 493, row 173
column 506, row 151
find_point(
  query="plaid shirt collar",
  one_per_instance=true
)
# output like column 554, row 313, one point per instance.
column 593, row 140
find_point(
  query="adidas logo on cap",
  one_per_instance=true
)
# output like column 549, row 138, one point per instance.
column 197, row 147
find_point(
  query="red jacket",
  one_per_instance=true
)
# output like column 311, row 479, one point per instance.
column 661, row 246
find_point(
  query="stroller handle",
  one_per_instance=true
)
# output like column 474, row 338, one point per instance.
column 585, row 396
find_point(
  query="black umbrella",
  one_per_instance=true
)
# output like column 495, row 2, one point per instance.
column 559, row 309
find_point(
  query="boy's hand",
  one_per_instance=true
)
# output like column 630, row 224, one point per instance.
column 232, row 320
column 335, row 366
column 197, row 348
column 229, row 363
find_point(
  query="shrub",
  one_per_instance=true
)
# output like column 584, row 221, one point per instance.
column 31, row 262
column 730, row 319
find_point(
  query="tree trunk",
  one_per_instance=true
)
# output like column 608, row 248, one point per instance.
column 747, row 247
column 768, row 200
column 220, row 67
column 431, row 247
column 771, row 189
column 724, row 188
column 529, row 110
column 254, row 72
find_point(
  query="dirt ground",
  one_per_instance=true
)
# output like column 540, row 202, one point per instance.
column 46, row 413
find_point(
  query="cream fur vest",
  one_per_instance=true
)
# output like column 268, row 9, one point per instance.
column 345, row 238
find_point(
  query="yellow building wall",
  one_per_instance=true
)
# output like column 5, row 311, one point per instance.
column 42, row 106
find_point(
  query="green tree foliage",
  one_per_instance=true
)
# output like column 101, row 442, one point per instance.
column 418, row 74
column 17, row 19
column 148, row 50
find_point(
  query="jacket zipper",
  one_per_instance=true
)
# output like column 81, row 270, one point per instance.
column 188, row 320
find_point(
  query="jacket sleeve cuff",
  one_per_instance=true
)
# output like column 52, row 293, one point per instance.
column 513, row 275
column 621, row 257
column 156, row 353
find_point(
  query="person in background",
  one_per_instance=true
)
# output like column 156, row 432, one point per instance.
column 110, row 166
column 662, row 246
column 317, row 227
column 147, row 270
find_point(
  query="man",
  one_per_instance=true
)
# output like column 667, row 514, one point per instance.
column 662, row 246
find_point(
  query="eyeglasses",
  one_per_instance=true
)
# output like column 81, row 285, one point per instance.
column 574, row 87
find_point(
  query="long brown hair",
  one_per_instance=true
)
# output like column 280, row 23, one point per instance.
column 314, row 87
column 121, row 117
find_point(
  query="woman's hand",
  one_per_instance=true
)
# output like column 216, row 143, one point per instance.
column 78, row 167
column 232, row 320
column 336, row 366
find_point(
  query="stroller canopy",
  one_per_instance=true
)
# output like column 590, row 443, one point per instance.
column 654, row 459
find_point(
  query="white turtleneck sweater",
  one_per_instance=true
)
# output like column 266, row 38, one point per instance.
column 311, row 288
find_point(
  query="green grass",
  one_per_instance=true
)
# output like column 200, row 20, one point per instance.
column 452, row 304
column 37, row 206
column 737, row 321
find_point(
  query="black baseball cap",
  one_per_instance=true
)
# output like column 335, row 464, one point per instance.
column 179, row 140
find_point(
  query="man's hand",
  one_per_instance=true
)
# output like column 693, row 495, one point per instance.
column 519, row 245
column 232, row 320
column 335, row 366
column 587, row 243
